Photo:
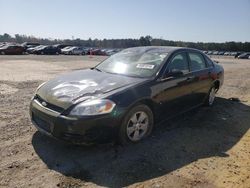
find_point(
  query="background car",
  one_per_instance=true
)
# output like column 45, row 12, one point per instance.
column 221, row 53
column 3, row 44
column 237, row 54
column 30, row 50
column 12, row 50
column 65, row 49
column 97, row 52
column 75, row 50
column 61, row 46
column 47, row 50
column 27, row 45
column 244, row 56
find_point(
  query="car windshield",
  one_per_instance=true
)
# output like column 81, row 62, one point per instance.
column 134, row 62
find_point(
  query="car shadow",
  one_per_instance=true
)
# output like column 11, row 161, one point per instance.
column 201, row 133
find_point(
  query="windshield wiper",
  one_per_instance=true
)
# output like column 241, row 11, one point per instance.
column 94, row 68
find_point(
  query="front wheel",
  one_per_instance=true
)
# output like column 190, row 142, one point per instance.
column 137, row 124
column 211, row 97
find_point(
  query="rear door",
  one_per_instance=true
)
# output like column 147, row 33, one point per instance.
column 202, row 80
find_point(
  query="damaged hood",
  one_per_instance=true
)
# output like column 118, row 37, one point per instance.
column 65, row 90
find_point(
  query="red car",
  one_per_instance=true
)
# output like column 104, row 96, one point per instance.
column 97, row 52
column 12, row 50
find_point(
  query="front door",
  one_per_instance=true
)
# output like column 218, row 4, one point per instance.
column 173, row 93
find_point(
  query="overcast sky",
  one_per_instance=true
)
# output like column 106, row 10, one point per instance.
column 186, row 20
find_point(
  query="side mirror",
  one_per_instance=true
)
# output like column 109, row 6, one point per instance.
column 216, row 62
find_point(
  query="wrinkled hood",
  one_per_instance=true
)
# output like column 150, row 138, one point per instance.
column 65, row 90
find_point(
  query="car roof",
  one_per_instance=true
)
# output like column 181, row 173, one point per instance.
column 166, row 49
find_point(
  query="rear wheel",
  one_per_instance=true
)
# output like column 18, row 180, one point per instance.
column 137, row 124
column 211, row 97
column 2, row 53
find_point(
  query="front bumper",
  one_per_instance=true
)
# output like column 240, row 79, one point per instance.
column 73, row 129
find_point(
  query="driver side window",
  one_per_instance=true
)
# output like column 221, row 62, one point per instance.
column 179, row 63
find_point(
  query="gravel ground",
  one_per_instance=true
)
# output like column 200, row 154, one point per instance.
column 207, row 147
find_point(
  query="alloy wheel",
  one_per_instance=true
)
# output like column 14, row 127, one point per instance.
column 211, row 96
column 137, row 126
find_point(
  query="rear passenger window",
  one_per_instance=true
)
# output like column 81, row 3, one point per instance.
column 197, row 62
column 179, row 63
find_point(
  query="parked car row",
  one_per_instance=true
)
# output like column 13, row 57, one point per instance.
column 239, row 55
column 35, row 48
column 44, row 50
column 70, row 50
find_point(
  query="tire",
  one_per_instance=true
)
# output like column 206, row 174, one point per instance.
column 210, row 97
column 2, row 53
column 136, row 125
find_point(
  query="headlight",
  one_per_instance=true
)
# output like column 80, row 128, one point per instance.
column 93, row 107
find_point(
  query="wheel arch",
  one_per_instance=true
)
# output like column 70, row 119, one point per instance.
column 148, row 102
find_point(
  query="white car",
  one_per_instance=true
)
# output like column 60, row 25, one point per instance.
column 73, row 51
column 66, row 49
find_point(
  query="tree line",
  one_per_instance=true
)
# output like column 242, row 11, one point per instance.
column 126, row 43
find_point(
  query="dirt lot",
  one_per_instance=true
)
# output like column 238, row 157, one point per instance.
column 208, row 147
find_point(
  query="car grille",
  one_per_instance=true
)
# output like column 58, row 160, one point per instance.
column 42, row 123
column 50, row 106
